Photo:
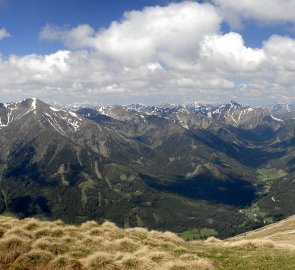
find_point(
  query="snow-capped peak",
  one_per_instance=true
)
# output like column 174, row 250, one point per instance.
column 61, row 120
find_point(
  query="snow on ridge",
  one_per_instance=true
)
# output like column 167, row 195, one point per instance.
column 54, row 120
column 12, row 112
column 54, row 109
column 73, row 114
column 232, row 110
column 58, row 110
column 53, row 123
column 2, row 124
column 276, row 119
column 34, row 106
column 57, row 118
column 34, row 101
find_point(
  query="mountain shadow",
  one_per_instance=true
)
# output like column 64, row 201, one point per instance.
column 235, row 192
column 252, row 157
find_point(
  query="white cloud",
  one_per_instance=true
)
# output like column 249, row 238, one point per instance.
column 4, row 33
column 281, row 61
column 24, row 76
column 75, row 38
column 160, row 54
column 281, row 52
column 228, row 53
column 144, row 35
column 270, row 11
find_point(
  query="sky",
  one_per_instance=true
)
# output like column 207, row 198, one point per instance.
column 148, row 51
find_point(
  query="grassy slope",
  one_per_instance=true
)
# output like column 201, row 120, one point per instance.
column 32, row 244
column 282, row 233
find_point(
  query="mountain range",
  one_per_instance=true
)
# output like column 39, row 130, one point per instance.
column 226, row 168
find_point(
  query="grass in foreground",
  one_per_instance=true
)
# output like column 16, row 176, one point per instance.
column 30, row 244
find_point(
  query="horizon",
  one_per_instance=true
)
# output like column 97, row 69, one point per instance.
column 85, row 105
column 148, row 51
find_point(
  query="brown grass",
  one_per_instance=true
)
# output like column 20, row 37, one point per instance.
column 64, row 263
column 22, row 233
column 213, row 240
column 34, row 259
column 2, row 231
column 253, row 243
column 34, row 245
column 11, row 248
column 55, row 246
column 100, row 260
column 200, row 264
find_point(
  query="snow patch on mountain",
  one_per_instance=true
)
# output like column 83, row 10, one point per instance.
column 276, row 119
column 61, row 120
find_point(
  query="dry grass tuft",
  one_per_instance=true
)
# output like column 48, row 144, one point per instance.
column 64, row 263
column 89, row 242
column 58, row 223
column 130, row 261
column 74, row 232
column 2, row 231
column 35, row 259
column 200, row 264
column 159, row 257
column 137, row 233
column 11, row 248
column 100, row 260
column 96, row 232
column 213, row 240
column 19, row 232
column 160, row 244
column 57, row 233
column 109, row 225
column 254, row 243
column 88, row 225
column 125, row 244
column 52, row 245
column 42, row 245
column 166, row 236
column 31, row 224
column 42, row 233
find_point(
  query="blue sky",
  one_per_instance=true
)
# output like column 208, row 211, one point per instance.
column 243, row 50
column 25, row 19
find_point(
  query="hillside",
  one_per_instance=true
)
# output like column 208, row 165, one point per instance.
column 220, row 169
column 282, row 232
column 30, row 244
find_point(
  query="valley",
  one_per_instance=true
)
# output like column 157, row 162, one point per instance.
column 225, row 168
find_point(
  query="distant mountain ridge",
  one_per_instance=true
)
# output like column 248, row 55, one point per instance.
column 202, row 116
column 175, row 167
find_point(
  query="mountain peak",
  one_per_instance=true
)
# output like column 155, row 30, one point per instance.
column 42, row 113
column 234, row 103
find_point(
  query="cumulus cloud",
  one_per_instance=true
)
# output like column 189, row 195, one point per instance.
column 75, row 38
column 270, row 11
column 176, row 29
column 230, row 54
column 145, row 35
column 281, row 52
column 4, row 33
column 175, row 53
